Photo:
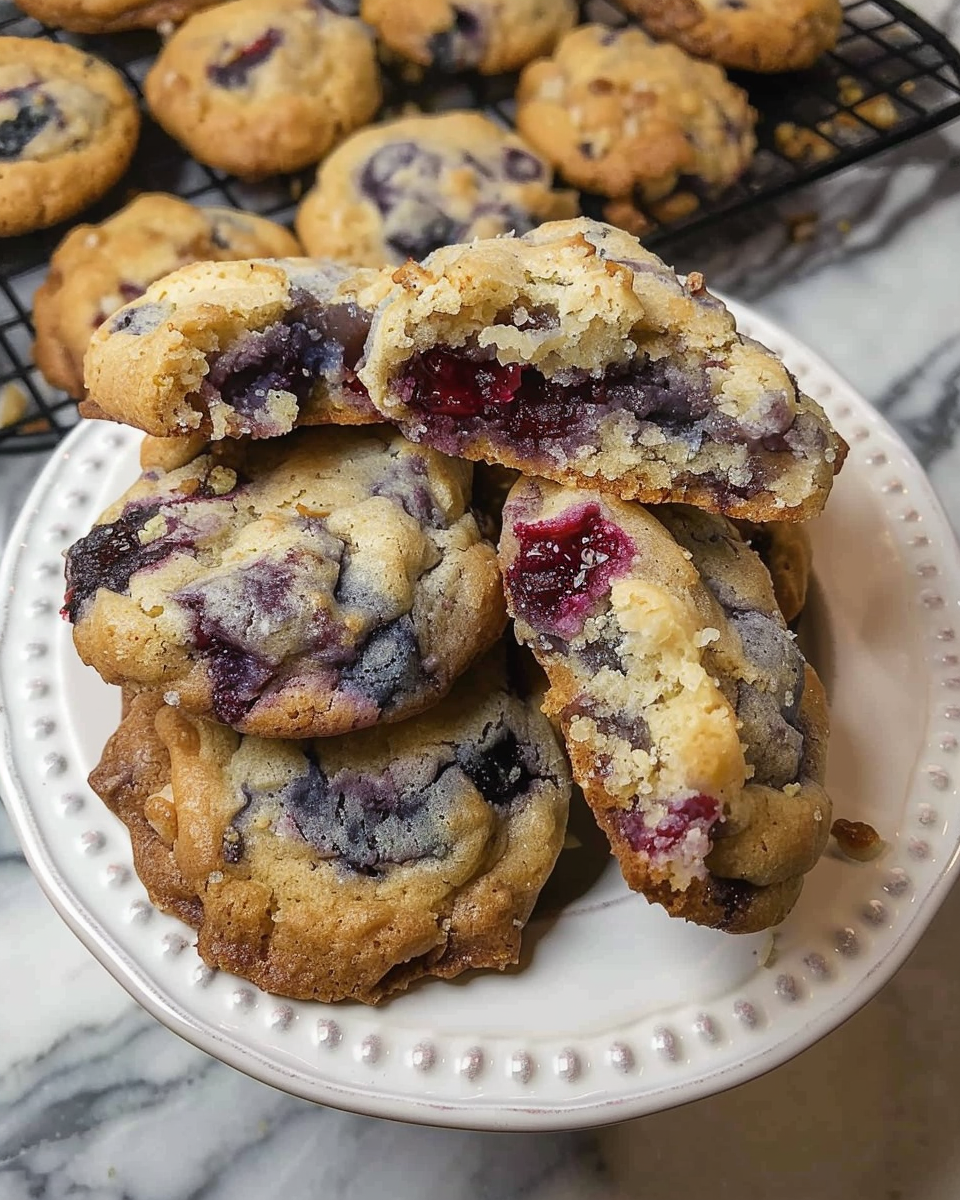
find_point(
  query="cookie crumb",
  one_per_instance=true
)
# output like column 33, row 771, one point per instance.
column 857, row 839
column 13, row 404
column 801, row 227
column 801, row 144
column 879, row 111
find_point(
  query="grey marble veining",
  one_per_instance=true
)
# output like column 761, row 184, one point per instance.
column 99, row 1101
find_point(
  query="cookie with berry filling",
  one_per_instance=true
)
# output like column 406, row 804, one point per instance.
column 347, row 867
column 404, row 188
column 68, row 129
column 751, row 35
column 489, row 36
column 98, row 268
column 626, row 117
column 237, row 348
column 256, row 87
column 694, row 726
column 298, row 587
column 574, row 354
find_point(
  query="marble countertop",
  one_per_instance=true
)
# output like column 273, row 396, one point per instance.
column 98, row 1100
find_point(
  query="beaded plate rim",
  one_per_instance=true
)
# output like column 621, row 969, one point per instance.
column 368, row 1064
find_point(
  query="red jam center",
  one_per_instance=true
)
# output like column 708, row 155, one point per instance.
column 563, row 566
column 518, row 400
column 695, row 812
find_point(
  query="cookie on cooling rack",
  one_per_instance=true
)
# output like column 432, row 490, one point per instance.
column 488, row 36
column 259, row 87
column 68, row 129
column 295, row 587
column 237, row 348
column 110, row 16
column 621, row 115
column 694, row 727
column 574, row 354
column 347, row 867
column 404, row 188
column 751, row 35
column 98, row 268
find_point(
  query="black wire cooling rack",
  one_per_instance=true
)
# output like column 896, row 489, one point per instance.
column 891, row 78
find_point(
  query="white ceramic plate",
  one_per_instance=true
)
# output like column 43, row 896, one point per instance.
column 616, row 1010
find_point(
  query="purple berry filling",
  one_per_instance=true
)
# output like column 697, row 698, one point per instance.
column 698, row 813
column 460, row 47
column 313, row 342
column 235, row 71
column 36, row 110
column 236, row 615
column 408, row 483
column 369, row 822
column 415, row 219
column 499, row 772
column 563, row 568
column 108, row 556
column 388, row 667
column 461, row 397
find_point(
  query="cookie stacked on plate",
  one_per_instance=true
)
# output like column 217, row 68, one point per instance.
column 327, row 762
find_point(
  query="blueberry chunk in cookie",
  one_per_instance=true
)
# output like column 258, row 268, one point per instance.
column 574, row 354
column 347, row 867
column 237, row 348
column 299, row 587
column 489, row 36
column 402, row 189
column 693, row 724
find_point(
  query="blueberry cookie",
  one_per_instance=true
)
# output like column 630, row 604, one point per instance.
column 238, row 348
column 98, row 268
column 694, row 727
column 110, row 16
column 786, row 552
column 68, row 129
column 751, row 35
column 575, row 354
column 346, row 867
column 620, row 115
column 290, row 588
column 405, row 188
column 489, row 36
column 256, row 88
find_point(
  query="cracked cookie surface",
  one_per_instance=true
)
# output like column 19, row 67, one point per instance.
column 575, row 354
column 347, row 867
column 293, row 588
column 694, row 726
column 621, row 115
column 97, row 269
